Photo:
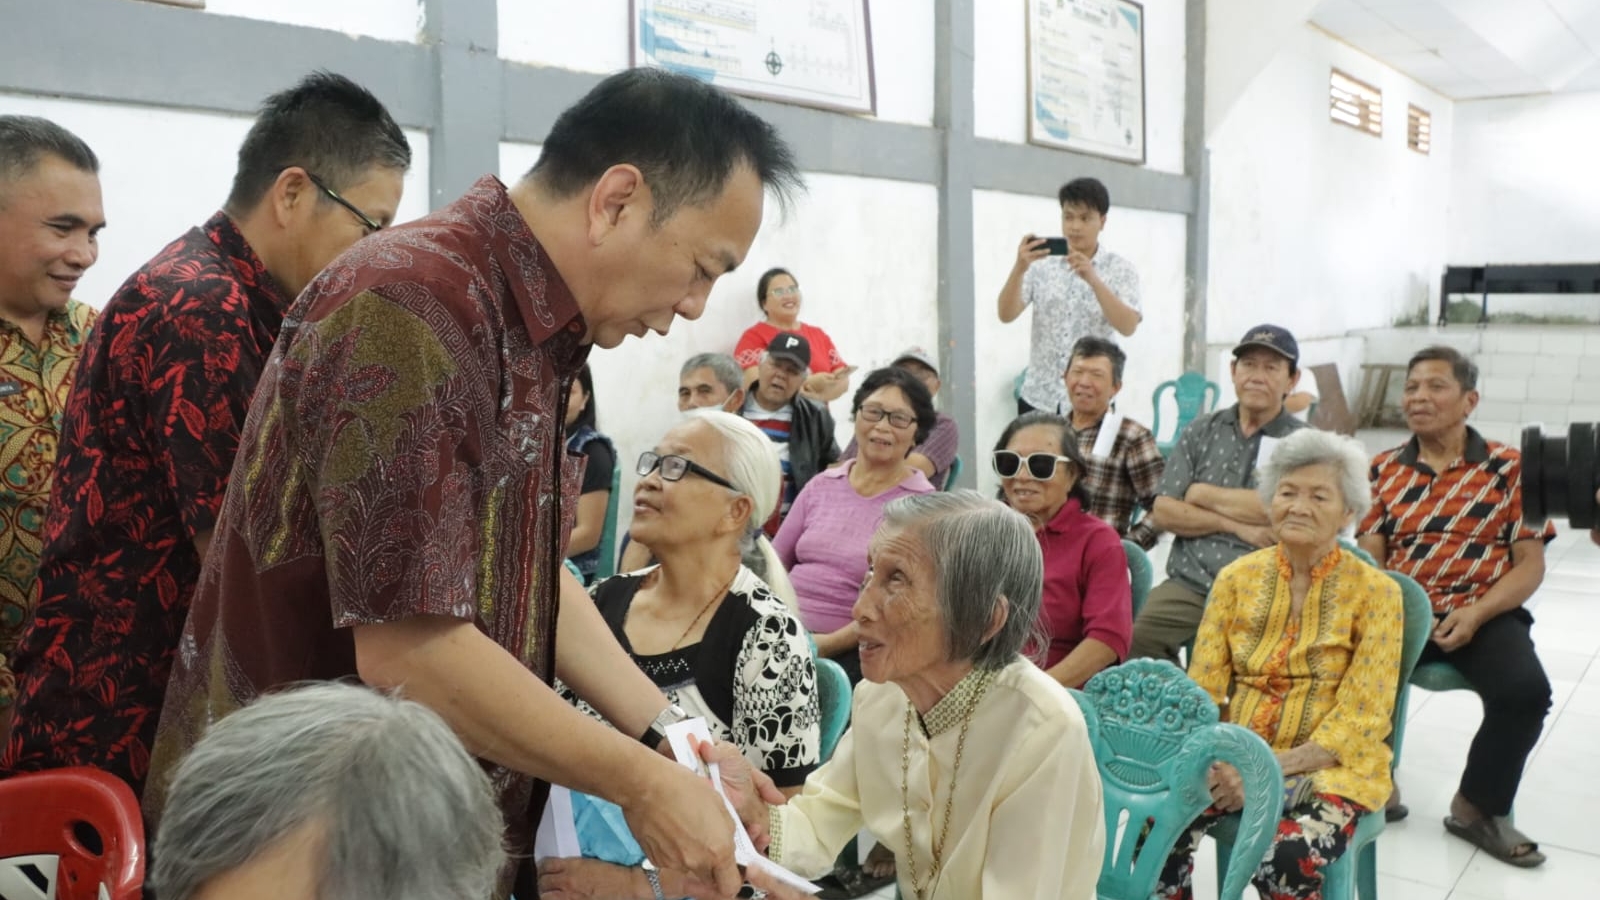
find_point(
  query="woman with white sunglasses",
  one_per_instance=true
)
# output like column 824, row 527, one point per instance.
column 1087, row 610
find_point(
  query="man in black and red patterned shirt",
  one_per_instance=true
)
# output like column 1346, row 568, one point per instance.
column 153, row 422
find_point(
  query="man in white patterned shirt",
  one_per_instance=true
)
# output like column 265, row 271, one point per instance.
column 1088, row 292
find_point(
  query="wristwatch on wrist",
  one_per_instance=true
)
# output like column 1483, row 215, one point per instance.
column 657, row 732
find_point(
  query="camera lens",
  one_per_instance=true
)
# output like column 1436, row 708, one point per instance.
column 1559, row 476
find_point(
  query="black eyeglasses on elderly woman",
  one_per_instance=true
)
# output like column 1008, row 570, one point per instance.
column 674, row 467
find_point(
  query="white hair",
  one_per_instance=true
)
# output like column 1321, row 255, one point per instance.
column 750, row 462
column 1310, row 447
column 406, row 813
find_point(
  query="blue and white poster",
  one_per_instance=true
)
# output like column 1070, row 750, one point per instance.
column 1086, row 76
column 810, row 52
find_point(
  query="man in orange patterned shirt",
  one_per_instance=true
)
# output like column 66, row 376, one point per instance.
column 1447, row 510
column 50, row 219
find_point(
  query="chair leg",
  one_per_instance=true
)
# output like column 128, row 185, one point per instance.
column 1367, row 872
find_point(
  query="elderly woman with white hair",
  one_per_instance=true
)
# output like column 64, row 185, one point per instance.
column 1301, row 643
column 964, row 758
column 713, row 636
column 332, row 791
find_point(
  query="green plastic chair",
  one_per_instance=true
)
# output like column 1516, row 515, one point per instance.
column 1140, row 573
column 1155, row 735
column 833, row 696
column 954, row 473
column 1360, row 554
column 607, row 566
column 1193, row 395
column 1357, row 869
column 1016, row 384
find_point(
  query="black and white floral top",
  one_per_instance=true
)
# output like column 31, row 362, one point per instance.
column 751, row 676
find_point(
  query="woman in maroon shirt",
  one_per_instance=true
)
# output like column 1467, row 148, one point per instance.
column 1087, row 611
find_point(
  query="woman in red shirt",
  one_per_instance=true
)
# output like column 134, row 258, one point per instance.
column 1087, row 611
column 778, row 295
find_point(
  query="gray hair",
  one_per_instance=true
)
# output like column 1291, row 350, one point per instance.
column 25, row 140
column 984, row 554
column 1310, row 447
column 385, row 777
column 721, row 365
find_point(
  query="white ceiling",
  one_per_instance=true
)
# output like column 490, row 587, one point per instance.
column 1471, row 49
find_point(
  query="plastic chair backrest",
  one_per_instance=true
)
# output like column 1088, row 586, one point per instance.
column 40, row 815
column 1157, row 735
column 1016, row 385
column 1141, row 574
column 1192, row 394
column 833, row 696
column 607, row 566
column 1419, row 625
column 951, row 476
column 1360, row 554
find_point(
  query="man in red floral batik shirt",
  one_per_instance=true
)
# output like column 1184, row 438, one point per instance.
column 152, row 424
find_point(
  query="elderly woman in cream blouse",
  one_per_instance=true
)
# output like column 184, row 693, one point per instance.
column 965, row 759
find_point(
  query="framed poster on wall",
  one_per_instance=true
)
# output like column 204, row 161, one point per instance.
column 1086, row 76
column 810, row 52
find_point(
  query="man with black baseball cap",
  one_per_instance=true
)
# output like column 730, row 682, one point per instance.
column 801, row 427
column 1205, row 498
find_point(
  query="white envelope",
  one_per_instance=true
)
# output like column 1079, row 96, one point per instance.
column 557, row 837
column 1267, row 443
column 1110, row 427
column 744, row 852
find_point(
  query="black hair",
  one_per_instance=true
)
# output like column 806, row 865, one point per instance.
column 588, row 416
column 916, row 394
column 685, row 136
column 328, row 125
column 1068, row 439
column 1464, row 369
column 1086, row 192
column 1093, row 347
column 766, row 279
column 25, row 140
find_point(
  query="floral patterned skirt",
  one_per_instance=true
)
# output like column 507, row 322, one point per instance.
column 1310, row 836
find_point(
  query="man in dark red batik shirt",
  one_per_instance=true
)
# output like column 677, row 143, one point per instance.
column 153, row 421
column 403, row 495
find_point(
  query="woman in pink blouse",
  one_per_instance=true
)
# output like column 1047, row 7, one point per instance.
column 1087, row 612
column 823, row 541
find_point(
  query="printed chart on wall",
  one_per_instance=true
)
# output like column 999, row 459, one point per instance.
column 811, row 52
column 1086, row 76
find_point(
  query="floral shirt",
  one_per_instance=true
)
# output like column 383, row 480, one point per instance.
column 1064, row 310
column 34, row 381
column 147, row 441
column 1328, row 676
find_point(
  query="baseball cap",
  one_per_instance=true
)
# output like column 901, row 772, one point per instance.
column 1270, row 337
column 791, row 346
column 917, row 354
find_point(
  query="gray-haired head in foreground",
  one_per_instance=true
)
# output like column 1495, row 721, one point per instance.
column 25, row 140
column 406, row 812
column 723, row 366
column 1311, row 446
column 983, row 552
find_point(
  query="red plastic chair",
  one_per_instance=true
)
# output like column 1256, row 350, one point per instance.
column 43, row 816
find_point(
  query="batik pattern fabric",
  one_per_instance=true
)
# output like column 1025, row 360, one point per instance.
column 148, row 438
column 403, row 457
column 35, row 378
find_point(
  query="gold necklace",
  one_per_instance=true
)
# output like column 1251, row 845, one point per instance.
column 701, row 614
column 949, row 801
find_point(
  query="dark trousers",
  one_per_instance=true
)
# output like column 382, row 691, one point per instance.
column 1501, row 665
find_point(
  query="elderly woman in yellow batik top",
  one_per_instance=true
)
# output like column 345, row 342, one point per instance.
column 1301, row 644
column 965, row 759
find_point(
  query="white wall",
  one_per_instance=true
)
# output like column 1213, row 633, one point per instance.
column 1522, row 186
column 1153, row 242
column 593, row 37
column 387, row 20
column 862, row 250
column 1314, row 225
column 1000, row 83
column 163, row 172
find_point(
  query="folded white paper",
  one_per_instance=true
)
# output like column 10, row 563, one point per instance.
column 1110, row 427
column 744, row 852
column 557, row 837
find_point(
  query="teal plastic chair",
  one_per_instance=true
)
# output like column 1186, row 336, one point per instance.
column 951, row 476
column 1193, row 395
column 833, row 696
column 1155, row 736
column 1140, row 573
column 607, row 566
column 576, row 572
column 1360, row 554
column 1357, row 870
column 1016, row 384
